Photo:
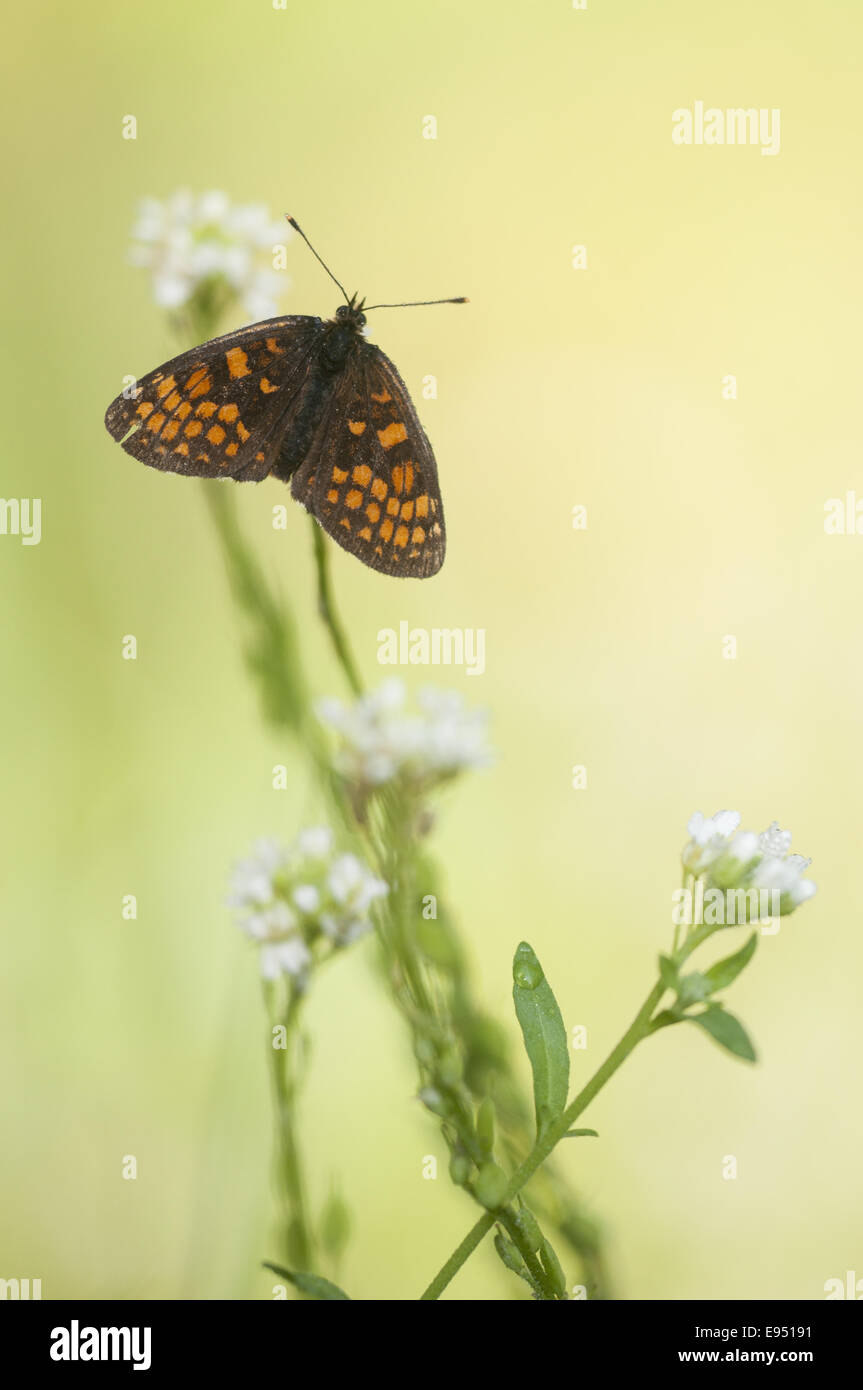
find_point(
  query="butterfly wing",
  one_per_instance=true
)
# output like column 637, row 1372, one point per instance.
column 370, row 476
column 221, row 409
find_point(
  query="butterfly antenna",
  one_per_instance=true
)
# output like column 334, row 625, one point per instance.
column 297, row 228
column 416, row 303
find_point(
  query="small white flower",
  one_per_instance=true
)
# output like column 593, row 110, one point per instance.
column 380, row 739
column 307, row 897
column 710, row 837
column 286, row 958
column 731, row 859
column 352, row 885
column 187, row 242
column 288, row 897
column 316, row 842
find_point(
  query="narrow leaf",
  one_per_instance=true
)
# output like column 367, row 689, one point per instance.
column 727, row 1030
column 544, row 1036
column 668, row 972
column 724, row 971
column 312, row 1284
column 665, row 1019
column 578, row 1133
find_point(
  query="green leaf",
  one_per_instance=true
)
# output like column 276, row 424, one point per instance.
column 312, row 1284
column 578, row 1133
column 665, row 1019
column 668, row 972
column 727, row 1030
column 724, row 971
column 544, row 1036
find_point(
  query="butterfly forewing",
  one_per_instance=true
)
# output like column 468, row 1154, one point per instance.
column 222, row 409
column 370, row 475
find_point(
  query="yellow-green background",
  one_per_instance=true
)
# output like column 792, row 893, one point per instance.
column 556, row 387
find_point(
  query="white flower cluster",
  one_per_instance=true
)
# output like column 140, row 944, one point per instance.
column 382, row 740
column 188, row 241
column 286, row 897
column 730, row 858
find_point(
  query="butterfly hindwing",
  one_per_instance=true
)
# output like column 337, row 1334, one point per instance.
column 370, row 476
column 220, row 410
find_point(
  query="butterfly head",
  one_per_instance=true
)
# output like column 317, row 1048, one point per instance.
column 352, row 314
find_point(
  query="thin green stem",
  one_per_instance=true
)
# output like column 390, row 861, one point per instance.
column 298, row 1241
column 634, row 1034
column 329, row 613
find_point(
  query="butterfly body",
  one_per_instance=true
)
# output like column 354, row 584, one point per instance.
column 312, row 402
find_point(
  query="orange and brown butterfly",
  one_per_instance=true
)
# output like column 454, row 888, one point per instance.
column 314, row 403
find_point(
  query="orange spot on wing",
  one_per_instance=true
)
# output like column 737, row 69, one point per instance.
column 202, row 389
column 409, row 477
column 366, row 533
column 229, row 413
column 259, row 457
column 423, row 505
column 418, row 536
column 333, row 495
column 183, row 410
column 362, row 474
column 206, row 409
column 356, row 426
column 393, row 506
column 194, row 427
column 339, row 474
column 402, row 535
column 171, row 429
column 231, row 449
column 353, row 499
column 274, row 347
column 393, row 434
column 165, row 386
column 343, row 521
column 238, row 362
column 215, row 434
column 373, row 512
column 242, row 431
column 173, row 400
column 379, row 489
column 398, row 478
column 407, row 510
column 197, row 375
column 155, row 422
column 145, row 409
column 182, row 449
column 382, row 396
column 386, row 529
column 267, row 386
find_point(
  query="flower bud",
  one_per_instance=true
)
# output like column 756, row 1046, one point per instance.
column 460, row 1169
column 490, row 1185
column 485, row 1126
column 551, row 1265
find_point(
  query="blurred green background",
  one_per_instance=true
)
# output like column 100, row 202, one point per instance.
column 557, row 387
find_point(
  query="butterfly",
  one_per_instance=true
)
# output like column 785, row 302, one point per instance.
column 313, row 403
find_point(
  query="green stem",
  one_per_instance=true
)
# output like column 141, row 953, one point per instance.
column 636, row 1031
column 329, row 613
column 298, row 1240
